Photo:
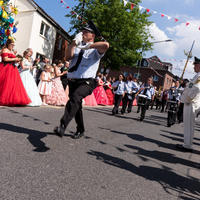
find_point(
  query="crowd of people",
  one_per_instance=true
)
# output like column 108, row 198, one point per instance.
column 28, row 82
column 37, row 82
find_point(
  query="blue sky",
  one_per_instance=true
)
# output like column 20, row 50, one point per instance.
column 162, row 29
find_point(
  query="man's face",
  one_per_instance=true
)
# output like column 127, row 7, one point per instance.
column 46, row 60
column 88, row 36
column 149, row 81
column 120, row 77
column 197, row 68
column 177, row 84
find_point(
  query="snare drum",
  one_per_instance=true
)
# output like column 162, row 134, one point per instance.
column 172, row 106
column 142, row 99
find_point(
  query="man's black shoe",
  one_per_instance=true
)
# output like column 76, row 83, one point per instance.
column 78, row 135
column 59, row 131
column 182, row 148
column 141, row 119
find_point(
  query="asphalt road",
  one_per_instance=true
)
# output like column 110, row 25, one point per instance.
column 120, row 158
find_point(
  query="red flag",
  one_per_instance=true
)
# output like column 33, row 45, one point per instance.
column 162, row 15
column 132, row 6
column 67, row 7
column 175, row 19
column 187, row 23
column 61, row 1
column 148, row 10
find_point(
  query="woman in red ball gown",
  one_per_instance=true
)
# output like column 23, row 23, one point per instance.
column 100, row 93
column 109, row 92
column 12, row 91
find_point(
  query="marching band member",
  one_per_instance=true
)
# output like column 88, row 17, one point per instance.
column 146, row 92
column 131, row 87
column 119, row 91
column 174, row 99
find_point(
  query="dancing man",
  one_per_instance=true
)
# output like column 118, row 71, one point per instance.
column 85, row 55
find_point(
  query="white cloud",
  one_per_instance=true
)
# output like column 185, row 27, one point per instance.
column 162, row 48
column 189, row 2
column 178, row 67
column 182, row 37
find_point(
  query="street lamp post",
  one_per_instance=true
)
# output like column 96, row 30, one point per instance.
column 140, row 62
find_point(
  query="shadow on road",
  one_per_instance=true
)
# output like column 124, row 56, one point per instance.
column 163, row 156
column 34, row 136
column 25, row 116
column 165, row 177
column 142, row 138
column 177, row 134
column 99, row 110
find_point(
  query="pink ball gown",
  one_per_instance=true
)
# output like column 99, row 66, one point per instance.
column 58, row 96
column 90, row 100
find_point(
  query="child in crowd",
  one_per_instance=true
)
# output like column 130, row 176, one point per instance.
column 45, row 83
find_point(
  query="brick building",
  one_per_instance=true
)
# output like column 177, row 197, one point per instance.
column 149, row 67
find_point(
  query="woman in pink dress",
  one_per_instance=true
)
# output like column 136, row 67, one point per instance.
column 90, row 100
column 100, row 93
column 109, row 92
column 58, row 96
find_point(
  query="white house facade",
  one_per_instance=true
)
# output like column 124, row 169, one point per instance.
column 36, row 29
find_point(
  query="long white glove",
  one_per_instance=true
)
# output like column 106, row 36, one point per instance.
column 78, row 38
column 85, row 47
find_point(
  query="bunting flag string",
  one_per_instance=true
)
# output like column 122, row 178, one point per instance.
column 163, row 15
column 65, row 5
column 132, row 6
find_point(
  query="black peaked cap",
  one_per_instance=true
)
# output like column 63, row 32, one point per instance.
column 92, row 28
column 196, row 60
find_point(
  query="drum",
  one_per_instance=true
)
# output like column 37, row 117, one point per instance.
column 172, row 106
column 142, row 100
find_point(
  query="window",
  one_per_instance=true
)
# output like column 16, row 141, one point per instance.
column 144, row 63
column 44, row 30
column 60, row 44
column 136, row 75
column 155, row 78
column 125, row 74
column 38, row 55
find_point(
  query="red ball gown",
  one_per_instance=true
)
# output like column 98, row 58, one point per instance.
column 100, row 94
column 109, row 93
column 12, row 91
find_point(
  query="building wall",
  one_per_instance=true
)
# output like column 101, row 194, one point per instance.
column 40, row 44
column 168, row 81
column 25, row 19
column 28, row 34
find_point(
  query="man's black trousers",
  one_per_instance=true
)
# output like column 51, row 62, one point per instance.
column 127, row 101
column 78, row 89
column 144, row 108
column 118, row 99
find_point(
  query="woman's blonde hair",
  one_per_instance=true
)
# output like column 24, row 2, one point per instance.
column 47, row 66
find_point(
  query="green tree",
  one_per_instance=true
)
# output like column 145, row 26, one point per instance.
column 126, row 30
